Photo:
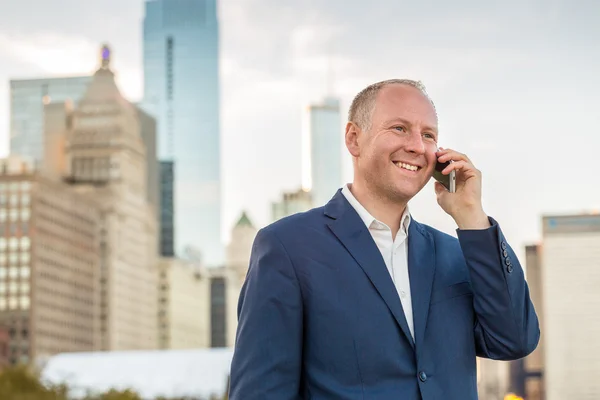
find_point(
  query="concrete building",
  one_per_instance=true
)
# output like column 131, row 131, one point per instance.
column 291, row 203
column 238, row 254
column 4, row 342
column 527, row 374
column 326, row 138
column 183, row 305
column 571, row 306
column 181, row 90
column 167, row 209
column 27, row 100
column 99, row 149
column 49, row 259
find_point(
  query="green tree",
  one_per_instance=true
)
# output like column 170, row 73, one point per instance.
column 20, row 383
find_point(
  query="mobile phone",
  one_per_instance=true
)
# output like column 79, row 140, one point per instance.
column 449, row 181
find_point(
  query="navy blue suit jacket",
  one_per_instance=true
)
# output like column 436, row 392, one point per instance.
column 320, row 318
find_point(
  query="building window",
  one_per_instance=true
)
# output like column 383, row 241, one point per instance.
column 25, row 243
column 24, row 288
column 25, row 257
column 12, row 288
column 14, row 199
column 25, row 271
column 25, row 185
column 2, row 214
column 25, row 302
column 3, row 200
column 3, row 272
column 13, row 243
column 12, row 303
column 25, row 214
column 14, row 272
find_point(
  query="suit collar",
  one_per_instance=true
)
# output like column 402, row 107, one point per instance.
column 352, row 232
column 366, row 216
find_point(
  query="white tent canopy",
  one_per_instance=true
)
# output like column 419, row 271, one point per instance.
column 196, row 374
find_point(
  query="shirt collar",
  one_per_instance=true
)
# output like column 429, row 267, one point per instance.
column 366, row 217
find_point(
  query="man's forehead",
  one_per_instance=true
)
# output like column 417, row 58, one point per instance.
column 405, row 100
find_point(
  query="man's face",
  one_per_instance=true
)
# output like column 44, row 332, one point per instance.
column 397, row 154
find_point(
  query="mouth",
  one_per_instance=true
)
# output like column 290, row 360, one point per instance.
column 407, row 166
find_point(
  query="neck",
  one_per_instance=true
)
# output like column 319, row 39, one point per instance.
column 382, row 208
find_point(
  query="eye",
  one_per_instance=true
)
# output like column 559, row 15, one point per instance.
column 400, row 128
column 429, row 136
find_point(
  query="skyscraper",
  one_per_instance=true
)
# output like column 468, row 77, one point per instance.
column 570, row 279
column 27, row 100
column 325, row 150
column 181, row 90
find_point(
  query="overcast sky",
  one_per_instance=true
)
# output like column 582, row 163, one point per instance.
column 516, row 84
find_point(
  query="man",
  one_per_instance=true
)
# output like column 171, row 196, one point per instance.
column 358, row 300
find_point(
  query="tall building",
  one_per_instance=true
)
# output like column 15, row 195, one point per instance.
column 167, row 209
column 326, row 137
column 527, row 374
column 183, row 307
column 571, row 306
column 104, row 156
column 291, row 203
column 181, row 90
column 49, row 262
column 238, row 254
column 27, row 100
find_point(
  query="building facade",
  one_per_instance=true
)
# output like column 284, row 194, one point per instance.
column 183, row 306
column 167, row 209
column 49, row 260
column 27, row 100
column 104, row 157
column 326, row 138
column 570, row 280
column 291, row 203
column 181, row 90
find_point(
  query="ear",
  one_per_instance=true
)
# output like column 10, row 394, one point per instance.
column 352, row 136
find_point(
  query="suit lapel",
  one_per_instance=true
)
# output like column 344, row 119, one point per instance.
column 421, row 269
column 354, row 235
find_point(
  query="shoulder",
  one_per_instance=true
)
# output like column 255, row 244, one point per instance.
column 293, row 228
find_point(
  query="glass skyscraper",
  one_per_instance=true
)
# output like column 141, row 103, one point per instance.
column 181, row 89
column 27, row 100
column 325, row 150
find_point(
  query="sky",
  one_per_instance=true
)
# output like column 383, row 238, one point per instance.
column 515, row 83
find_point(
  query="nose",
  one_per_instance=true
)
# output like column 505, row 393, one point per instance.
column 414, row 143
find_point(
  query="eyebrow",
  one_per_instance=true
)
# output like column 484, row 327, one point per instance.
column 405, row 122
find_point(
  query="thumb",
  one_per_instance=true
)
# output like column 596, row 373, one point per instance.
column 440, row 192
column 439, row 189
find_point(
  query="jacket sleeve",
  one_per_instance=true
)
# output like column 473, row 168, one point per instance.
column 267, row 356
column 507, row 326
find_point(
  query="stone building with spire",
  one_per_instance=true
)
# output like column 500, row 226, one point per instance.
column 97, row 146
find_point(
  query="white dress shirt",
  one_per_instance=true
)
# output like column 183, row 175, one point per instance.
column 394, row 252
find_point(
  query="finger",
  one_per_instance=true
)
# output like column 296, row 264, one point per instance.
column 463, row 166
column 451, row 155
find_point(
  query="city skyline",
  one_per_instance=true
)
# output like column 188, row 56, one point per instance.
column 517, row 80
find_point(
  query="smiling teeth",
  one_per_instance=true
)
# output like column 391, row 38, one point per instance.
column 407, row 166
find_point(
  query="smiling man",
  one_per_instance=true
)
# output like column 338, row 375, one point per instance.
column 358, row 300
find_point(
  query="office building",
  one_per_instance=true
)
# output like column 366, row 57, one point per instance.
column 527, row 374
column 104, row 156
column 238, row 254
column 326, row 138
column 571, row 306
column 181, row 90
column 183, row 306
column 291, row 203
column 49, row 262
column 27, row 100
column 167, row 209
